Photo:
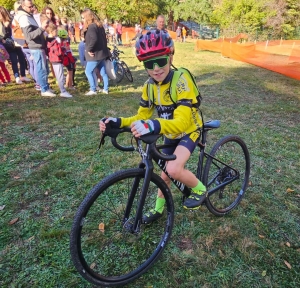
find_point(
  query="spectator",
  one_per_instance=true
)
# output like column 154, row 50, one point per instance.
column 20, row 41
column 36, row 15
column 81, row 49
column 183, row 33
column 161, row 22
column 3, row 57
column 55, row 54
column 112, row 33
column 119, row 32
column 69, row 59
column 48, row 13
column 178, row 34
column 35, row 38
column 96, row 51
column 15, row 52
column 72, row 32
column 64, row 23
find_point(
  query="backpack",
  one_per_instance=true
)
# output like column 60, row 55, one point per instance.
column 177, row 72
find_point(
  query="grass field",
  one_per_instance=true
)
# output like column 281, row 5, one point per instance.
column 48, row 164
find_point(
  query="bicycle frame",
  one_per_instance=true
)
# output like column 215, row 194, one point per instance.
column 147, row 164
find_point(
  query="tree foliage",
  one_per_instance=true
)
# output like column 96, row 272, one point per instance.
column 278, row 17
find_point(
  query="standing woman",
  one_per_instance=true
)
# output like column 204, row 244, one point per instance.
column 15, row 53
column 96, row 51
column 48, row 13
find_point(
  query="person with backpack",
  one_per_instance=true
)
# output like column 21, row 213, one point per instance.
column 176, row 98
column 55, row 55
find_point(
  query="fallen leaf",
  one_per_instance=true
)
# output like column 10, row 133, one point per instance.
column 264, row 273
column 288, row 244
column 17, row 177
column 287, row 264
column 101, row 227
column 261, row 236
column 12, row 222
column 278, row 170
column 289, row 190
column 250, row 183
column 46, row 193
column 272, row 254
column 2, row 207
column 29, row 239
column 298, row 195
column 92, row 266
column 50, row 151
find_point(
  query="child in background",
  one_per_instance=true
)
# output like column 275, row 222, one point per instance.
column 69, row 60
column 3, row 57
column 81, row 48
column 55, row 56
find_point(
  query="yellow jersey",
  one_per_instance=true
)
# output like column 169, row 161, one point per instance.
column 174, row 119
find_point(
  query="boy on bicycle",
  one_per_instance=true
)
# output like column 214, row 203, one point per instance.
column 179, row 122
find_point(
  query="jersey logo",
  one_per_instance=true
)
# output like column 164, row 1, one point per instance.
column 182, row 85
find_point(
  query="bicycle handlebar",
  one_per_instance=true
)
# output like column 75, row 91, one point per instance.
column 148, row 139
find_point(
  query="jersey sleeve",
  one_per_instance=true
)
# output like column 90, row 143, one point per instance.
column 144, row 112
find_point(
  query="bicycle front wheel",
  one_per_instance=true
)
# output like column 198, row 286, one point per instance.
column 104, row 249
column 231, row 165
column 127, row 72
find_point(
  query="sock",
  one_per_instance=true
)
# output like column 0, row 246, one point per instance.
column 159, row 205
column 199, row 189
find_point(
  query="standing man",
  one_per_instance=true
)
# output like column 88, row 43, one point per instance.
column 161, row 22
column 35, row 39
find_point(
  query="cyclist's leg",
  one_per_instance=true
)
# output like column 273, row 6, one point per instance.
column 176, row 170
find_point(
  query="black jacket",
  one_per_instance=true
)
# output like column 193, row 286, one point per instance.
column 95, row 41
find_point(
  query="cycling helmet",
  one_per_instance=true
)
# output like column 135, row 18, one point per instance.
column 62, row 34
column 153, row 44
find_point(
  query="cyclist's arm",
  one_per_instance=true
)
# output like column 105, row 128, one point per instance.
column 144, row 112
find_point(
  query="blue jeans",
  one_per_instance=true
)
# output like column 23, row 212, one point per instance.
column 31, row 64
column 17, row 57
column 89, row 69
column 39, row 58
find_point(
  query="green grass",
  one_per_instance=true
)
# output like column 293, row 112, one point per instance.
column 48, row 164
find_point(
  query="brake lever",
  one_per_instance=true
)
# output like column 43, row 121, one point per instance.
column 102, row 141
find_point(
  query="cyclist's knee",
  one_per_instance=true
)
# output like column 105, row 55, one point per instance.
column 174, row 171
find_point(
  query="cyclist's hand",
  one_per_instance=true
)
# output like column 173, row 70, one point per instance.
column 115, row 123
column 141, row 127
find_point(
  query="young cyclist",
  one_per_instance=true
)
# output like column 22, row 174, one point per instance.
column 179, row 122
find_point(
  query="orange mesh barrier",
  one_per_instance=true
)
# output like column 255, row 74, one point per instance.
column 281, row 56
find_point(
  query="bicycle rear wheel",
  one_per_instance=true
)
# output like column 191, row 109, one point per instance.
column 103, row 248
column 127, row 72
column 232, row 165
column 119, row 72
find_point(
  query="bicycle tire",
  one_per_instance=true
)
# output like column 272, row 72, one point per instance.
column 232, row 151
column 119, row 72
column 127, row 71
column 114, row 256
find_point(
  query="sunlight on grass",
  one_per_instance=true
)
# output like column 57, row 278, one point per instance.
column 49, row 163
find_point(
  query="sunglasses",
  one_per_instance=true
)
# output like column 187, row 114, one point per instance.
column 30, row 7
column 160, row 62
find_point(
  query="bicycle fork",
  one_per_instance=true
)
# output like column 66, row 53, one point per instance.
column 134, row 227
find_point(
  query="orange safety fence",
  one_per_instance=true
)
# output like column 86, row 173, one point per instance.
column 281, row 56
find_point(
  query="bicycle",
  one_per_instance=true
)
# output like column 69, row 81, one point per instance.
column 121, row 67
column 110, row 245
